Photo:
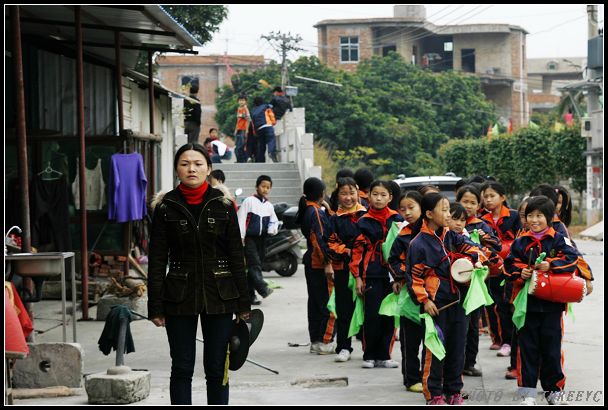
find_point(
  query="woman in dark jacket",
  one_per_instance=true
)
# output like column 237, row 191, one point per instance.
column 195, row 233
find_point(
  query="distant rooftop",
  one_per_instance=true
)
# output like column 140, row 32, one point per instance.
column 415, row 15
column 556, row 65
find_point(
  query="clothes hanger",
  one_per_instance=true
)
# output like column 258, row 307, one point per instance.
column 50, row 171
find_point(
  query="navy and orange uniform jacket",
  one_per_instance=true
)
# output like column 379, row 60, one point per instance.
column 315, row 227
column 561, row 256
column 398, row 254
column 367, row 260
column 344, row 231
column 429, row 261
column 506, row 227
column 489, row 239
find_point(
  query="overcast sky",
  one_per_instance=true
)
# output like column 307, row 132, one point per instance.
column 554, row 31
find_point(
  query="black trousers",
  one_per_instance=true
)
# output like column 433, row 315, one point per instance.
column 181, row 331
column 445, row 376
column 320, row 323
column 500, row 315
column 378, row 330
column 540, row 353
column 472, row 346
column 514, row 347
column 344, row 308
column 255, row 250
column 411, row 335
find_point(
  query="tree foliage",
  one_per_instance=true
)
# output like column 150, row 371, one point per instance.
column 522, row 160
column 400, row 111
column 200, row 21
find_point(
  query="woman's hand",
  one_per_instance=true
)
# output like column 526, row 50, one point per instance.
column 159, row 321
column 359, row 286
column 397, row 286
column 430, row 308
column 526, row 273
column 243, row 316
column 543, row 266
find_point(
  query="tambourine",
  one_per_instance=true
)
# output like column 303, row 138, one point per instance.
column 461, row 270
column 559, row 288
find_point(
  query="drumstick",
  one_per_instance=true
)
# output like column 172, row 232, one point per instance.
column 448, row 305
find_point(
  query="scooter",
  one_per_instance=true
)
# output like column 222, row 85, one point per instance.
column 283, row 253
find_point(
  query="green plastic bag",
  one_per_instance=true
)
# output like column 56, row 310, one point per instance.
column 570, row 311
column 431, row 338
column 477, row 295
column 352, row 285
column 390, row 307
column 521, row 301
column 358, row 317
column 475, row 236
column 408, row 308
column 331, row 304
column 390, row 239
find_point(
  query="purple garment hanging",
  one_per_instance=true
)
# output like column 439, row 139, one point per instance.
column 127, row 188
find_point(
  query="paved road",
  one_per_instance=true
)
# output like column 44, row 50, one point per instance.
column 285, row 312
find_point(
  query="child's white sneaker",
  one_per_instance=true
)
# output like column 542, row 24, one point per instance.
column 528, row 401
column 343, row 356
column 389, row 364
column 368, row 364
column 326, row 348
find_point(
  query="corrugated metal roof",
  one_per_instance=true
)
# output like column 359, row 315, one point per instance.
column 129, row 17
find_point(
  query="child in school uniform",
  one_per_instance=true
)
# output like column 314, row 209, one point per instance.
column 410, row 333
column 314, row 224
column 428, row 264
column 512, row 372
column 540, row 339
column 505, row 222
column 372, row 276
column 551, row 192
column 470, row 198
column 344, row 231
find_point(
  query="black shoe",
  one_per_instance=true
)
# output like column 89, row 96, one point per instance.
column 256, row 301
column 268, row 292
column 472, row 371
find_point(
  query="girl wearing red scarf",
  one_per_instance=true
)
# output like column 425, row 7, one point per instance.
column 371, row 272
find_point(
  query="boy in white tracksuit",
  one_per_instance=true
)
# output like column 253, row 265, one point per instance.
column 256, row 220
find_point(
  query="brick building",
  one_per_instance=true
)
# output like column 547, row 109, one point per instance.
column 496, row 53
column 210, row 72
column 547, row 75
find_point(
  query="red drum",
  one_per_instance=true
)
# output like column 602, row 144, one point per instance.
column 560, row 288
column 461, row 270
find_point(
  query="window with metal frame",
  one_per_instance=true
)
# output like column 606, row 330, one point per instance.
column 349, row 49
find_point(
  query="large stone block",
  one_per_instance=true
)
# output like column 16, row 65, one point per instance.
column 50, row 364
column 137, row 305
column 130, row 387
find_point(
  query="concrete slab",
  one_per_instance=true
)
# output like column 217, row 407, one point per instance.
column 50, row 364
column 131, row 387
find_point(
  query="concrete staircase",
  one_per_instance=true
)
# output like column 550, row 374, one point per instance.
column 286, row 183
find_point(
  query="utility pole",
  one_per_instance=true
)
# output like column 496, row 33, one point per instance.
column 595, row 144
column 283, row 43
